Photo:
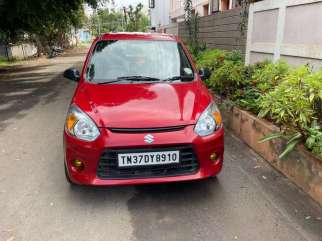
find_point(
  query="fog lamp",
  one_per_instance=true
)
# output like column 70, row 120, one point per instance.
column 213, row 157
column 78, row 164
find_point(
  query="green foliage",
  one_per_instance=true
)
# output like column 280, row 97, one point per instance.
column 292, row 104
column 192, row 25
column 111, row 20
column 106, row 20
column 136, row 20
column 269, row 75
column 211, row 59
column 45, row 22
column 314, row 140
column 292, row 141
column 228, row 71
column 228, row 77
column 290, row 98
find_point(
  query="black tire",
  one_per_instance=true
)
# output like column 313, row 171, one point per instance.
column 67, row 176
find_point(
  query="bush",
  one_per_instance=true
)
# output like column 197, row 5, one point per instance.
column 291, row 98
column 267, row 75
column 211, row 59
column 228, row 78
column 314, row 140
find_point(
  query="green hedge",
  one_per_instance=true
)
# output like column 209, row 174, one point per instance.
column 289, row 97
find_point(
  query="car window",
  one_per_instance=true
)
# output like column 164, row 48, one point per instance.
column 156, row 59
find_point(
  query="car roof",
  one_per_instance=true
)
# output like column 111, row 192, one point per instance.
column 138, row 36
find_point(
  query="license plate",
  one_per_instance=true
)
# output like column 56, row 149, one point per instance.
column 148, row 158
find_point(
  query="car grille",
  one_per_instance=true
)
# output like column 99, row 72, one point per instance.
column 108, row 164
column 146, row 130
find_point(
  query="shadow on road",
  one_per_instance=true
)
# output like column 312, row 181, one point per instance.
column 22, row 87
column 175, row 194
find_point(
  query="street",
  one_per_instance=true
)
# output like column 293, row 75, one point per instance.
column 249, row 200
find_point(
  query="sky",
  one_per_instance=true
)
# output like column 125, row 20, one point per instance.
column 120, row 4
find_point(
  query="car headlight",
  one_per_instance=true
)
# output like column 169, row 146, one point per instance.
column 209, row 121
column 81, row 125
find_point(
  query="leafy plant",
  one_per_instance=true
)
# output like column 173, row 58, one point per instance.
column 228, row 78
column 291, row 141
column 211, row 59
column 314, row 140
column 292, row 104
column 288, row 104
column 269, row 75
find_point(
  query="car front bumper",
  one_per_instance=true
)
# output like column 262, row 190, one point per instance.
column 90, row 154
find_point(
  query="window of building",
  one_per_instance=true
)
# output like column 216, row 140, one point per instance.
column 206, row 10
column 224, row 5
column 151, row 3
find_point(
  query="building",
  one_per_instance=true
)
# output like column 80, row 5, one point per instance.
column 84, row 35
column 202, row 7
column 159, row 13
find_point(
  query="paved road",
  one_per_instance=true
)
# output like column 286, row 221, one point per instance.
column 248, row 201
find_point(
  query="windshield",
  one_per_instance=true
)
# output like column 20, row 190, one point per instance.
column 113, row 59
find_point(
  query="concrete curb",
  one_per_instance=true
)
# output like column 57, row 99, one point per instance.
column 300, row 166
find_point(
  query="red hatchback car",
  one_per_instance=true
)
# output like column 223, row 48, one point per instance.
column 141, row 114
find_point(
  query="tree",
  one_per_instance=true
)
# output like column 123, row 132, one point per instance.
column 137, row 21
column 105, row 20
column 191, row 21
column 45, row 22
column 131, row 19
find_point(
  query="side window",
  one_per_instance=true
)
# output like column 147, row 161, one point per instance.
column 185, row 66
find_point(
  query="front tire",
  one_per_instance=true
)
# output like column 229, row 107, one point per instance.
column 67, row 176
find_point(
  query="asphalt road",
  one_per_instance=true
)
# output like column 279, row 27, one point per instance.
column 248, row 201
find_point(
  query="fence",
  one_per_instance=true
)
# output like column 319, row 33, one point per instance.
column 221, row 30
column 285, row 29
column 20, row 51
column 172, row 29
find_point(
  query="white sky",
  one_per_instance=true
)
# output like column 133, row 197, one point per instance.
column 120, row 4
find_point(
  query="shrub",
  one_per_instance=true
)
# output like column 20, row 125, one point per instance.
column 288, row 104
column 214, row 59
column 211, row 59
column 268, row 75
column 226, row 79
column 291, row 98
column 314, row 140
column 260, row 79
column 292, row 104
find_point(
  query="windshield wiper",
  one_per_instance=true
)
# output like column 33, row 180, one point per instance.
column 133, row 78
column 108, row 82
column 180, row 77
column 138, row 78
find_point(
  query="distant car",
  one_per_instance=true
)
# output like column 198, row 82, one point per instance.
column 141, row 114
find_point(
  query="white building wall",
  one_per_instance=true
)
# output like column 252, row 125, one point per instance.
column 285, row 29
column 177, row 8
column 160, row 14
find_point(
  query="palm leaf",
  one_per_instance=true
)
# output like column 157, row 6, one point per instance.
column 270, row 137
column 296, row 136
column 289, row 148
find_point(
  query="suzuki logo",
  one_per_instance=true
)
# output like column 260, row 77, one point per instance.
column 149, row 138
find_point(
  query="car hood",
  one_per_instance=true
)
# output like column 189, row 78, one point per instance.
column 143, row 105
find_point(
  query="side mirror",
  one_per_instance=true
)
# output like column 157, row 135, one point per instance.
column 72, row 74
column 204, row 73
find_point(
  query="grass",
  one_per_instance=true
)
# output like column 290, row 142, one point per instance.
column 5, row 62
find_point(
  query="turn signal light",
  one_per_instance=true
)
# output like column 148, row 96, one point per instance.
column 217, row 118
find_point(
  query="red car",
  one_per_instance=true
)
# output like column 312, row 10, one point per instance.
column 141, row 114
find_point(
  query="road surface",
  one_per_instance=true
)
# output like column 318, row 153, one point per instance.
column 248, row 201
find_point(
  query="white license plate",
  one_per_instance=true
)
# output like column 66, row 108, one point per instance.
column 148, row 158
